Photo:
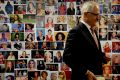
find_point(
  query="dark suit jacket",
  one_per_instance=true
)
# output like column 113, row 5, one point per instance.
column 81, row 53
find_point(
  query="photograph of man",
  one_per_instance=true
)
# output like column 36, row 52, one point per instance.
column 82, row 40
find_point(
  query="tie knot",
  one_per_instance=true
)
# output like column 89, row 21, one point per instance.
column 92, row 30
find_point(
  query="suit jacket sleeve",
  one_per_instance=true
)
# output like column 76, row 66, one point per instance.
column 71, row 51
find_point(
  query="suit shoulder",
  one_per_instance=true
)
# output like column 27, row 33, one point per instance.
column 75, row 29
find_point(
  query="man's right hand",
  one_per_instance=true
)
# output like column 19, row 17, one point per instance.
column 90, row 75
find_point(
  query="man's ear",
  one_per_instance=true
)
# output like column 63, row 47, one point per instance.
column 85, row 15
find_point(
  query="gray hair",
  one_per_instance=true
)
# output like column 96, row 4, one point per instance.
column 88, row 6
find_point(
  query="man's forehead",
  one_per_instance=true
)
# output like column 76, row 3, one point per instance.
column 96, row 9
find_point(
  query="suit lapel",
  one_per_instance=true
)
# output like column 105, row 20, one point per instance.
column 87, row 35
column 98, row 41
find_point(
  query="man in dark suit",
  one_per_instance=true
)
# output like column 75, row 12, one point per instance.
column 82, row 40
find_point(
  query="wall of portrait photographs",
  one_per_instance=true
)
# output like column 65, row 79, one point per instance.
column 33, row 35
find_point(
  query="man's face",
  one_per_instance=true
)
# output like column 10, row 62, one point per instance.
column 93, row 17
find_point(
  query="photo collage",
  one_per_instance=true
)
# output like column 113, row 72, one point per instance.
column 33, row 35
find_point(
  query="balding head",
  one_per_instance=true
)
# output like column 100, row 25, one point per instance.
column 89, row 6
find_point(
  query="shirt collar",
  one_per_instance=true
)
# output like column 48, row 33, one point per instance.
column 86, row 24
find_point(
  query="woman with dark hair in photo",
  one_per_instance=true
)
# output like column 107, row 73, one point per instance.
column 60, row 36
column 62, row 9
column 4, row 28
column 114, row 27
column 44, row 75
column 41, row 65
column 30, row 45
column 20, row 10
column 36, row 75
column 31, row 65
column 36, row 54
column 113, row 36
column 16, row 19
column 115, row 47
column 29, row 37
column 78, row 12
column 60, row 27
column 31, row 8
column 49, row 36
column 29, row 27
column 16, row 38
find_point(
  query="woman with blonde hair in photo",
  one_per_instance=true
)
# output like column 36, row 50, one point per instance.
column 24, row 55
column 44, row 46
column 107, row 70
column 106, row 47
column 9, row 67
column 48, row 56
column 40, row 10
column 103, row 22
column 61, row 75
